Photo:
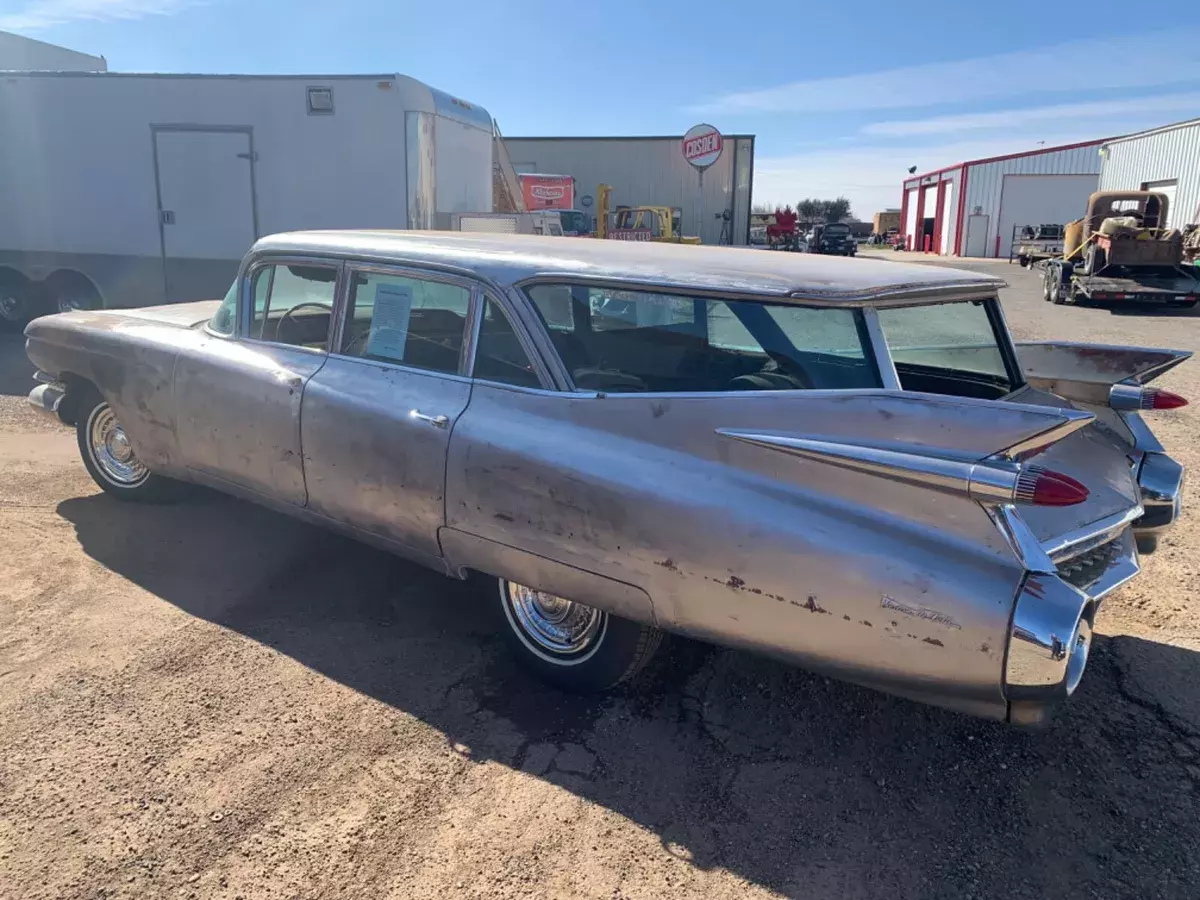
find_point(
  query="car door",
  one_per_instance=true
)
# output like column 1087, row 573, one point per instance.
column 377, row 417
column 238, row 396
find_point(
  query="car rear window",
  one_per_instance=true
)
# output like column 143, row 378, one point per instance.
column 948, row 348
column 622, row 341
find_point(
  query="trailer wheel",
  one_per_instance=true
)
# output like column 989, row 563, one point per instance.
column 1056, row 293
column 18, row 302
column 1046, row 276
column 68, row 291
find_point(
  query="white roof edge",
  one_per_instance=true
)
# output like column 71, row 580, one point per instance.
column 1150, row 131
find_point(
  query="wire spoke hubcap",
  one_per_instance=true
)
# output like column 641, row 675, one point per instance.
column 553, row 623
column 111, row 450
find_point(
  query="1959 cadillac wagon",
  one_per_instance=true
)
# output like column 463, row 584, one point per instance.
column 847, row 464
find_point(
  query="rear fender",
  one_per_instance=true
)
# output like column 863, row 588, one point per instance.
column 1087, row 372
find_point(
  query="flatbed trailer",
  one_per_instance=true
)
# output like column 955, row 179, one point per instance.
column 1151, row 285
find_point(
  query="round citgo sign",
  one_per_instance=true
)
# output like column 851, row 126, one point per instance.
column 702, row 146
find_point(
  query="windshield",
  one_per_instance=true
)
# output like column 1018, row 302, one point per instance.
column 948, row 348
column 574, row 221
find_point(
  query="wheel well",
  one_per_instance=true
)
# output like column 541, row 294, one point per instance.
column 77, row 387
column 10, row 277
column 69, row 279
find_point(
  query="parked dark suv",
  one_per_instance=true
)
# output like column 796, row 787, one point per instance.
column 833, row 239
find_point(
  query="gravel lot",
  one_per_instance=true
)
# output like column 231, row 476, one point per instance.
column 210, row 700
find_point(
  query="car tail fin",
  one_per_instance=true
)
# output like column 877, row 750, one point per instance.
column 1088, row 372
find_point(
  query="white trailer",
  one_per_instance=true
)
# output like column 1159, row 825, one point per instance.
column 125, row 190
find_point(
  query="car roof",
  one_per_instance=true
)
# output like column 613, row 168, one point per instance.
column 508, row 259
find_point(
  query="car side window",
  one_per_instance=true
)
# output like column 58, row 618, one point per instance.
column 410, row 321
column 499, row 354
column 627, row 340
column 293, row 304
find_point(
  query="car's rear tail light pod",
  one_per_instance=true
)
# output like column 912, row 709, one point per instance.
column 1132, row 396
column 1154, row 398
column 1044, row 487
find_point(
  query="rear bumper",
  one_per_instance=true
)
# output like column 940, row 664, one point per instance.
column 1160, row 480
column 1051, row 631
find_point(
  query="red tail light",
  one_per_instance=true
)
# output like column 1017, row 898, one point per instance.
column 1153, row 398
column 1043, row 487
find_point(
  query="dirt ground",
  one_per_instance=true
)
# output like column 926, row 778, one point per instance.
column 212, row 701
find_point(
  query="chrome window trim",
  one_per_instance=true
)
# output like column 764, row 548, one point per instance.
column 519, row 328
column 920, row 295
column 880, row 349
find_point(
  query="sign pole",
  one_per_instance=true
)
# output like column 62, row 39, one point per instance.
column 701, row 148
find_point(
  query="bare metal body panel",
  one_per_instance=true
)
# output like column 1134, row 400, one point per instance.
column 871, row 534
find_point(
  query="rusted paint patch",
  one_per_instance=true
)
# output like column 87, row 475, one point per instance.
column 503, row 517
column 868, row 624
column 984, row 648
column 669, row 565
column 812, row 606
column 736, row 583
column 933, row 641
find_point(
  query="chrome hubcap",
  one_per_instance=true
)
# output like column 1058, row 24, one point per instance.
column 111, row 451
column 552, row 623
column 68, row 304
column 10, row 306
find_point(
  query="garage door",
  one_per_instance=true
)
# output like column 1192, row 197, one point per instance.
column 1041, row 200
column 1168, row 188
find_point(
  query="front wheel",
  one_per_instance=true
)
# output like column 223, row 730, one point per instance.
column 109, row 457
column 572, row 646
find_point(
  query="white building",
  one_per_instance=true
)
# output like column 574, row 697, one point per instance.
column 1165, row 159
column 651, row 171
column 972, row 208
column 24, row 54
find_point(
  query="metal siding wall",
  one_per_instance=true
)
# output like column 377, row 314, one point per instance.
column 649, row 172
column 985, row 181
column 1159, row 157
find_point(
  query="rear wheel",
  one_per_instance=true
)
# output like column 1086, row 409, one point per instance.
column 1056, row 292
column 17, row 303
column 69, row 291
column 570, row 645
column 1046, row 283
column 109, row 456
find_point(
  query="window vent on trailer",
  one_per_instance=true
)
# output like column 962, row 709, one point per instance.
column 320, row 101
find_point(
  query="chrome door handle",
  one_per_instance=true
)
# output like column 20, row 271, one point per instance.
column 435, row 421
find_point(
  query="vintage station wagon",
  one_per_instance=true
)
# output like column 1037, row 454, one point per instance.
column 847, row 464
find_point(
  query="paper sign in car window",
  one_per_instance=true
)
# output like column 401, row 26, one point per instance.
column 389, row 322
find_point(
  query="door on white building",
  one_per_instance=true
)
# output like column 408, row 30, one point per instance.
column 1167, row 187
column 947, row 243
column 205, row 208
column 1041, row 200
column 977, row 235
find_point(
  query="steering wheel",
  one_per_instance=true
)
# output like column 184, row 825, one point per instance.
column 308, row 303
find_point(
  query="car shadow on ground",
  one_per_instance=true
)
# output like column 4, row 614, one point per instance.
column 792, row 781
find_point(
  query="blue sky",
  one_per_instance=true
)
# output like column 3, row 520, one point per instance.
column 842, row 96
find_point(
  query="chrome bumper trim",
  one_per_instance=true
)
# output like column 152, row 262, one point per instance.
column 1083, row 539
column 1161, row 482
column 47, row 398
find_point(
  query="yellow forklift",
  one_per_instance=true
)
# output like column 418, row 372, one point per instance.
column 658, row 224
